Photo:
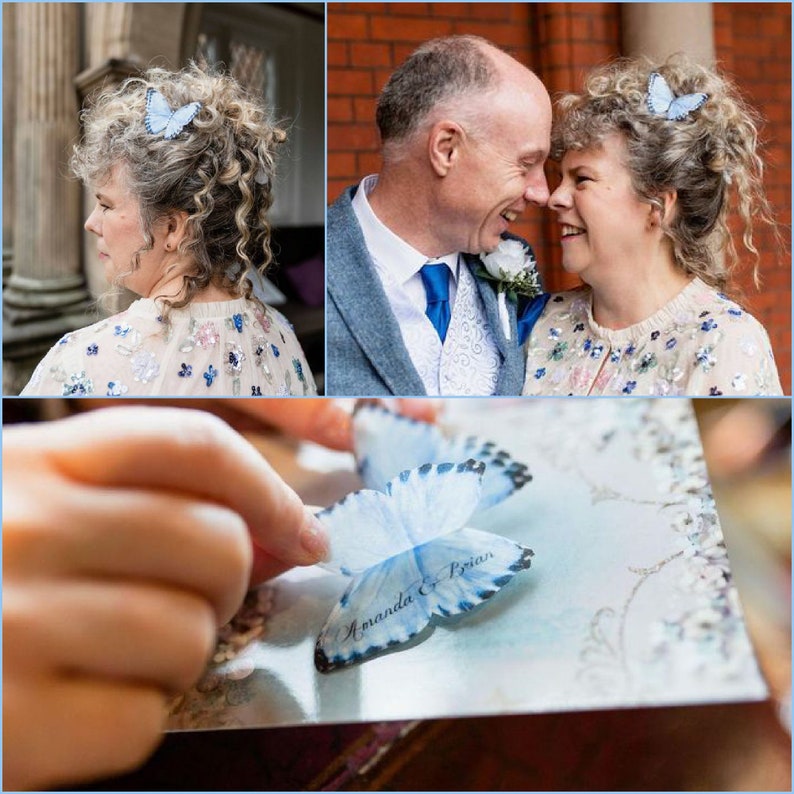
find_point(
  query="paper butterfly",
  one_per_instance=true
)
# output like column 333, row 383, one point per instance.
column 159, row 115
column 408, row 551
column 387, row 443
column 663, row 102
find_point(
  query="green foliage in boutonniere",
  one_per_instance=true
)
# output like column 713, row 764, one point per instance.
column 513, row 268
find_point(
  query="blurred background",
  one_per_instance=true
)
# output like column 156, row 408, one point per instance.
column 718, row 747
column 55, row 55
column 751, row 42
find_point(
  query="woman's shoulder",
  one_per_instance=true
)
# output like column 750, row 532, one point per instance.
column 67, row 367
column 719, row 311
column 573, row 304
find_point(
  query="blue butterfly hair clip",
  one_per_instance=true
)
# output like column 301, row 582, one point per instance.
column 662, row 101
column 404, row 542
column 159, row 116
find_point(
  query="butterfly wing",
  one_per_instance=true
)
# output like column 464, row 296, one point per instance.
column 503, row 475
column 179, row 118
column 682, row 106
column 660, row 97
column 470, row 566
column 393, row 602
column 387, row 443
column 158, row 112
column 367, row 527
column 381, row 608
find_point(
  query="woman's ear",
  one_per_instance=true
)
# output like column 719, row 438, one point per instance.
column 663, row 212
column 669, row 201
column 443, row 145
column 175, row 230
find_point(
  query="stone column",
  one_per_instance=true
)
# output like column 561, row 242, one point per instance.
column 46, row 294
column 661, row 29
column 9, row 70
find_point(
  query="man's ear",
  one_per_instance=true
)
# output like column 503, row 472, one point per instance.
column 444, row 145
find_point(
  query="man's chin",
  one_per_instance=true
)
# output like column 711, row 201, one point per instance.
column 489, row 246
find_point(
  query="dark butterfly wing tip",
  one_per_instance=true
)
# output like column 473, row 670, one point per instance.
column 519, row 474
column 477, row 466
column 322, row 662
column 373, row 404
column 526, row 559
column 369, row 403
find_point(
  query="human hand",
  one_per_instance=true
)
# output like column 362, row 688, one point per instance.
column 322, row 420
column 128, row 535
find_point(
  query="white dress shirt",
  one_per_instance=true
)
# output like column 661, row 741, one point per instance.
column 468, row 361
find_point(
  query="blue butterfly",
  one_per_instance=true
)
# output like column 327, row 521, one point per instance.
column 159, row 115
column 663, row 102
column 411, row 558
column 386, row 443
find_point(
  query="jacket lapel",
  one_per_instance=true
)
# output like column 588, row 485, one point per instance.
column 358, row 295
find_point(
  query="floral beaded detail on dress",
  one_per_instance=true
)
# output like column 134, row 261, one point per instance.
column 225, row 348
column 699, row 344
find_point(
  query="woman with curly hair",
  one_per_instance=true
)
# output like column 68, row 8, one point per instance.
column 652, row 161
column 182, row 168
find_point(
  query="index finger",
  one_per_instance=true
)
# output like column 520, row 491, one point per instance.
column 190, row 452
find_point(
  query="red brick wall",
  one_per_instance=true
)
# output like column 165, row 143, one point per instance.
column 561, row 41
column 753, row 42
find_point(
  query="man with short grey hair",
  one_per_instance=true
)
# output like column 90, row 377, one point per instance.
column 464, row 130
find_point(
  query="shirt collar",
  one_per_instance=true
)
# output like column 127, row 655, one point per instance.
column 389, row 251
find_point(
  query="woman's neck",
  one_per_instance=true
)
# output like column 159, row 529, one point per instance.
column 630, row 297
column 213, row 293
column 173, row 290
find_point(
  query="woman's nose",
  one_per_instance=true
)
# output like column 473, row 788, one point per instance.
column 92, row 222
column 560, row 199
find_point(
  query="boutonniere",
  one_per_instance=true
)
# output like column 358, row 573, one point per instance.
column 514, row 270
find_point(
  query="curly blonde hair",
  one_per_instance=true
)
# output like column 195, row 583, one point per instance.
column 219, row 170
column 710, row 158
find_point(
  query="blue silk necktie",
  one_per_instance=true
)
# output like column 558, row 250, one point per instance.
column 435, row 277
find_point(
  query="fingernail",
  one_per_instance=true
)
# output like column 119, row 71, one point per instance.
column 314, row 538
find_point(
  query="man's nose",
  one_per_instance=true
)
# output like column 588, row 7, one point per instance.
column 537, row 191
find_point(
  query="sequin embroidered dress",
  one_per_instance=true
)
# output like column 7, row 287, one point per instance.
column 227, row 348
column 701, row 343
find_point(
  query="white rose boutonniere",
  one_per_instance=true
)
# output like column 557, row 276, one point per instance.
column 514, row 270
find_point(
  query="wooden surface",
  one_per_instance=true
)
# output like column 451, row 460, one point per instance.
column 730, row 747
